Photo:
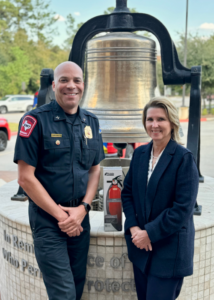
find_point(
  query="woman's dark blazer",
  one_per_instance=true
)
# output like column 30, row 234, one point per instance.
column 164, row 209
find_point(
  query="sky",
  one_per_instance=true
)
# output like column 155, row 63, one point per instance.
column 172, row 13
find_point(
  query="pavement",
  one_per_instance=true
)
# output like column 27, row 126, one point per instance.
column 207, row 146
column 8, row 170
column 13, row 117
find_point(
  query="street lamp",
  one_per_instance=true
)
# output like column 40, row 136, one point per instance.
column 185, row 50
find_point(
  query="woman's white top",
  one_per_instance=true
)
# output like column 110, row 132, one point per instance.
column 150, row 171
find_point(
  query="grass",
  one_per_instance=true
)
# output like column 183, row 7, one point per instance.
column 14, row 127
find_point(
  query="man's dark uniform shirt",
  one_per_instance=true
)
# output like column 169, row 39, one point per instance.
column 60, row 149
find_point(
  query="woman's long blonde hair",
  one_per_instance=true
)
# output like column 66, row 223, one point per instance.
column 171, row 112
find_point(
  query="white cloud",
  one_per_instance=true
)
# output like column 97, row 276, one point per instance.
column 59, row 18
column 77, row 13
column 207, row 26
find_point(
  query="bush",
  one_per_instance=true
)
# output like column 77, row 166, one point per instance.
column 212, row 111
column 204, row 112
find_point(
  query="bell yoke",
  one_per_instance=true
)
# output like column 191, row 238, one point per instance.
column 114, row 103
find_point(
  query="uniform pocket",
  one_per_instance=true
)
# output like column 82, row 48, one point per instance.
column 57, row 153
column 89, row 150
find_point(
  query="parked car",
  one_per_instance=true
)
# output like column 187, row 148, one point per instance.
column 16, row 103
column 5, row 133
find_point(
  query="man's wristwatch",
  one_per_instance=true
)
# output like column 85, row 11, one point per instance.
column 87, row 206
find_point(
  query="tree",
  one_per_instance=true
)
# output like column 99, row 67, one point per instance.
column 200, row 52
column 7, row 14
column 42, row 21
column 24, row 55
column 71, row 30
column 14, row 14
column 15, row 72
column 23, row 11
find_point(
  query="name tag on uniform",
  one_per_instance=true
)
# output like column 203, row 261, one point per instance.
column 56, row 135
column 88, row 132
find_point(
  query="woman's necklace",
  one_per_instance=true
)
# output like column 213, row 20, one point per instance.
column 151, row 166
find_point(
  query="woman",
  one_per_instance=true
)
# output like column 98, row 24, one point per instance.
column 158, row 199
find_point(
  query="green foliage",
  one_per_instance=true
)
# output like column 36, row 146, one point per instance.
column 8, row 12
column 212, row 111
column 26, row 29
column 204, row 112
column 71, row 30
column 42, row 21
column 199, row 52
column 23, row 11
column 15, row 72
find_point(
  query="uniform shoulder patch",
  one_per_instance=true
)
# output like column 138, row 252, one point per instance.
column 27, row 127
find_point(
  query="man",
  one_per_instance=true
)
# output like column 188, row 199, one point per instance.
column 58, row 151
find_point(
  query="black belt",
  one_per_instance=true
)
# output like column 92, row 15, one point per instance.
column 72, row 203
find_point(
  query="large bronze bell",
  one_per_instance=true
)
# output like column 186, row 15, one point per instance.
column 120, row 80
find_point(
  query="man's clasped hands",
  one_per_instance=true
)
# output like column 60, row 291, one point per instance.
column 71, row 219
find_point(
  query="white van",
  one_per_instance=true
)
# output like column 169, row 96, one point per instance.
column 11, row 103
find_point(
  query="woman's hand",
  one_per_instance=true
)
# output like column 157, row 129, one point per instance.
column 140, row 238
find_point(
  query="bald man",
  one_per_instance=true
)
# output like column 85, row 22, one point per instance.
column 58, row 151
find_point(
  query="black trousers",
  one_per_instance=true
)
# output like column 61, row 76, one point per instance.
column 61, row 259
column 155, row 288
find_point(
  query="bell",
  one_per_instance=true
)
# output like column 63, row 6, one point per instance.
column 120, row 80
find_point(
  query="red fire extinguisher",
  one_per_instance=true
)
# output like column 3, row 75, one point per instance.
column 114, row 190
column 114, row 200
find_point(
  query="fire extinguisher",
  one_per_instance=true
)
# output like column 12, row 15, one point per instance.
column 114, row 206
column 114, row 190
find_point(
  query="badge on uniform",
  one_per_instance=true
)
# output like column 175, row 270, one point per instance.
column 88, row 132
column 27, row 127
